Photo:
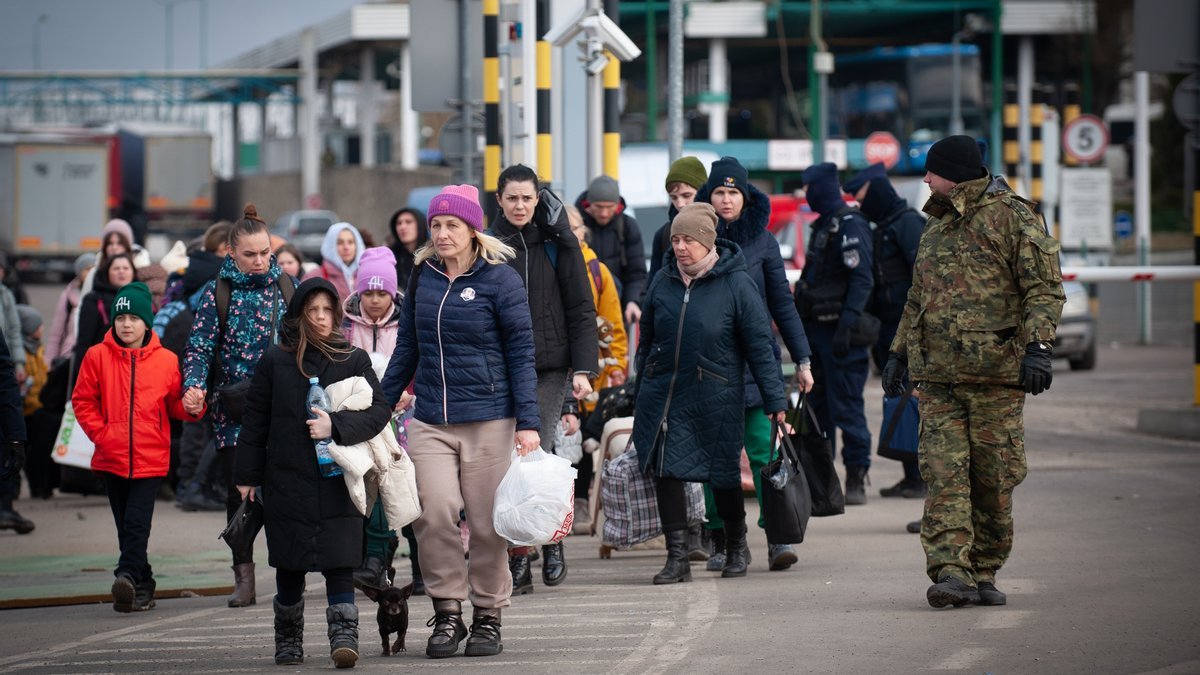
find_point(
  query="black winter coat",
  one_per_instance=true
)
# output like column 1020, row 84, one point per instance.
column 764, row 263
column 311, row 523
column 95, row 318
column 560, row 295
column 689, row 419
column 619, row 246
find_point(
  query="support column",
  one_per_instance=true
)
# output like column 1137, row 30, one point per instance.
column 262, row 137
column 718, row 91
column 1025, row 102
column 410, row 134
column 1141, row 192
column 1037, row 115
column 529, row 81
column 310, row 144
column 236, row 136
column 545, row 146
column 1012, row 147
column 612, row 117
column 491, row 104
column 367, row 114
column 1071, row 110
column 675, row 80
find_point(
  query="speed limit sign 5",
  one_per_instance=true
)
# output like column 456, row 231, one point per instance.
column 1085, row 138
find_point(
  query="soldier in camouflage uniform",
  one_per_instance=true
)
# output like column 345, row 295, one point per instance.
column 976, row 335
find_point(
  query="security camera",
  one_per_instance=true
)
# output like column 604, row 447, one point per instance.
column 597, row 64
column 596, row 26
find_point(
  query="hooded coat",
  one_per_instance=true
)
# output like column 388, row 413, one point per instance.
column 371, row 335
column 897, row 235
column 95, row 319
column 764, row 264
column 244, row 339
column 332, row 269
column 312, row 523
column 689, row 420
column 560, row 302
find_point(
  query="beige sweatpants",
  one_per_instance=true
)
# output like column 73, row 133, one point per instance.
column 459, row 466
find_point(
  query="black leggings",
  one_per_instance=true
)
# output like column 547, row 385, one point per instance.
column 672, row 505
column 339, row 585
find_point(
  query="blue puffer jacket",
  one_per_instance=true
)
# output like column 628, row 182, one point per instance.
column 765, row 266
column 469, row 343
column 689, row 416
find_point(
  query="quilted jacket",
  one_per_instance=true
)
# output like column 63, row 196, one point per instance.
column 689, row 414
column 469, row 345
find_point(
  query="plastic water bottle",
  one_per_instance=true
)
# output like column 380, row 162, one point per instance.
column 317, row 399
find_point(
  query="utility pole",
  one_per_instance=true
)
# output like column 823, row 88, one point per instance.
column 675, row 80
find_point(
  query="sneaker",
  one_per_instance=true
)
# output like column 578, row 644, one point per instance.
column 143, row 595
column 951, row 591
column 909, row 488
column 124, row 593
column 11, row 520
column 781, row 556
column 989, row 595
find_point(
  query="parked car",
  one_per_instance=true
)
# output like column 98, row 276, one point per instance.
column 1075, row 339
column 305, row 230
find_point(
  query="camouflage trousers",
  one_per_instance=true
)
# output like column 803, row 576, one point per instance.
column 972, row 455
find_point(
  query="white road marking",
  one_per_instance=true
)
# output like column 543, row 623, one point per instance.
column 994, row 618
column 963, row 659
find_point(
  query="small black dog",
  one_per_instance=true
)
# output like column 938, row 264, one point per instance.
column 392, row 615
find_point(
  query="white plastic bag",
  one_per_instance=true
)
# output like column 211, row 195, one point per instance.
column 535, row 502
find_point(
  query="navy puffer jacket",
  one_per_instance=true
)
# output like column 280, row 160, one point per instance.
column 469, row 344
column 765, row 266
column 689, row 416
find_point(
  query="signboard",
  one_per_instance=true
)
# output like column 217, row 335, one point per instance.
column 798, row 155
column 1085, row 139
column 436, row 54
column 1123, row 225
column 1086, row 209
column 882, row 146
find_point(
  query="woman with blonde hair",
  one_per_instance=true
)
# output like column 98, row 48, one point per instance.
column 466, row 340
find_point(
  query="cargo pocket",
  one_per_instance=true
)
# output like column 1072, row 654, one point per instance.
column 987, row 346
column 1015, row 468
column 1046, row 249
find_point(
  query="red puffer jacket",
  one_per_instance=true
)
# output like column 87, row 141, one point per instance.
column 122, row 399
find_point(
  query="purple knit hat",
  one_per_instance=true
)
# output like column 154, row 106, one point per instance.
column 460, row 201
column 377, row 271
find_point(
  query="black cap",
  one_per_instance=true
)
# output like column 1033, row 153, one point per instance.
column 955, row 158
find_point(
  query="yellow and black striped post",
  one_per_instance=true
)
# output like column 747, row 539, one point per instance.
column 1037, row 116
column 545, row 155
column 1071, row 111
column 1012, row 118
column 612, row 117
column 1196, row 297
column 491, row 104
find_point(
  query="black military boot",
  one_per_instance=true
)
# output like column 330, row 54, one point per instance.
column 716, row 551
column 909, row 488
column 737, row 551
column 343, row 633
column 372, row 574
column 554, row 565
column 952, row 591
column 989, row 595
column 518, row 565
column 11, row 520
column 289, row 633
column 448, row 629
column 697, row 543
column 485, row 633
column 856, row 481
column 143, row 595
column 678, row 568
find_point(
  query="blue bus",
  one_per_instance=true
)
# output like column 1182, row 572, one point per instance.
column 905, row 91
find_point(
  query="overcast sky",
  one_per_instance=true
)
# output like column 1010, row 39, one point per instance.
column 129, row 34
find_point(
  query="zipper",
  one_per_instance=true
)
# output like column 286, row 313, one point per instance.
column 701, row 371
column 132, row 379
column 441, row 351
column 374, row 338
column 687, row 295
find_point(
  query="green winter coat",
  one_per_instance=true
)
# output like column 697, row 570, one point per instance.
column 986, row 283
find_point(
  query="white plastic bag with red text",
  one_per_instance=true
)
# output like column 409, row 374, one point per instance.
column 535, row 502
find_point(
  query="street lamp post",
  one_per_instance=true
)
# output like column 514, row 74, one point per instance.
column 37, row 40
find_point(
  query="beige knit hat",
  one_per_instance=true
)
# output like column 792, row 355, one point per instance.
column 698, row 221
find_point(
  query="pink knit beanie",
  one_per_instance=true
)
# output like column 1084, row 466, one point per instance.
column 377, row 271
column 460, row 201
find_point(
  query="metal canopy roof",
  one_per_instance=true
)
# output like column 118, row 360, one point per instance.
column 371, row 22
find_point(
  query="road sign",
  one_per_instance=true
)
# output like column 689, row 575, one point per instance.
column 881, row 146
column 1086, row 209
column 1085, row 138
column 1123, row 225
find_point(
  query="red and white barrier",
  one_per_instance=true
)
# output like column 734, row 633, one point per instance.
column 1151, row 273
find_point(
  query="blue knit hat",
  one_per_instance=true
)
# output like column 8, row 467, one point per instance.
column 861, row 178
column 821, row 188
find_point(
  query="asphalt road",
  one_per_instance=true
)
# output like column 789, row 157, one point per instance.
column 1099, row 581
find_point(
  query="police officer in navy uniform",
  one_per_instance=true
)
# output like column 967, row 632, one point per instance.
column 896, row 234
column 832, row 295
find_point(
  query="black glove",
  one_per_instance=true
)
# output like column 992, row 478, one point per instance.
column 13, row 460
column 893, row 374
column 1036, row 370
column 841, row 340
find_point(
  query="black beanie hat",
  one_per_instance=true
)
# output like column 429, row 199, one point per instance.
column 955, row 158
column 728, row 172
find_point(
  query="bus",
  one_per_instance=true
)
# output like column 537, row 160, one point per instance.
column 905, row 91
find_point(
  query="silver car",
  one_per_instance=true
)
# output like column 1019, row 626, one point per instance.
column 305, row 230
column 1075, row 339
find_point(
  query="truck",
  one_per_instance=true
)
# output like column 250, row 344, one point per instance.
column 54, row 198
column 165, row 176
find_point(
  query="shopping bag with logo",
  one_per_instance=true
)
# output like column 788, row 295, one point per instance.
column 72, row 447
column 535, row 501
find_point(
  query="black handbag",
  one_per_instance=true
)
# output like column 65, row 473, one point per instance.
column 786, row 500
column 243, row 528
column 865, row 332
column 232, row 398
column 816, row 458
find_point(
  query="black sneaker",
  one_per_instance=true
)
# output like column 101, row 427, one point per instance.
column 484, row 639
column 951, row 591
column 989, row 595
column 11, row 520
column 909, row 488
column 781, row 556
column 143, row 596
column 124, row 593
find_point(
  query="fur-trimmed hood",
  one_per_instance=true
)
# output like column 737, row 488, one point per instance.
column 756, row 215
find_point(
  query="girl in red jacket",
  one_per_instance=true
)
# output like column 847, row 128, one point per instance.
column 127, row 386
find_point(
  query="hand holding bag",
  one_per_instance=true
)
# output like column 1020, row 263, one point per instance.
column 816, row 458
column 243, row 527
column 787, row 501
column 535, row 501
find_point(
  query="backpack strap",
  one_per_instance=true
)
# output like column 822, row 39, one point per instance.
column 221, row 294
column 103, row 311
column 597, row 277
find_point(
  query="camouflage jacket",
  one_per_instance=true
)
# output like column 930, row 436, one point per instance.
column 986, row 283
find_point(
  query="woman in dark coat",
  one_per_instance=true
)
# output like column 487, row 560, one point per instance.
column 702, row 320
column 407, row 232
column 94, row 319
column 312, row 525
